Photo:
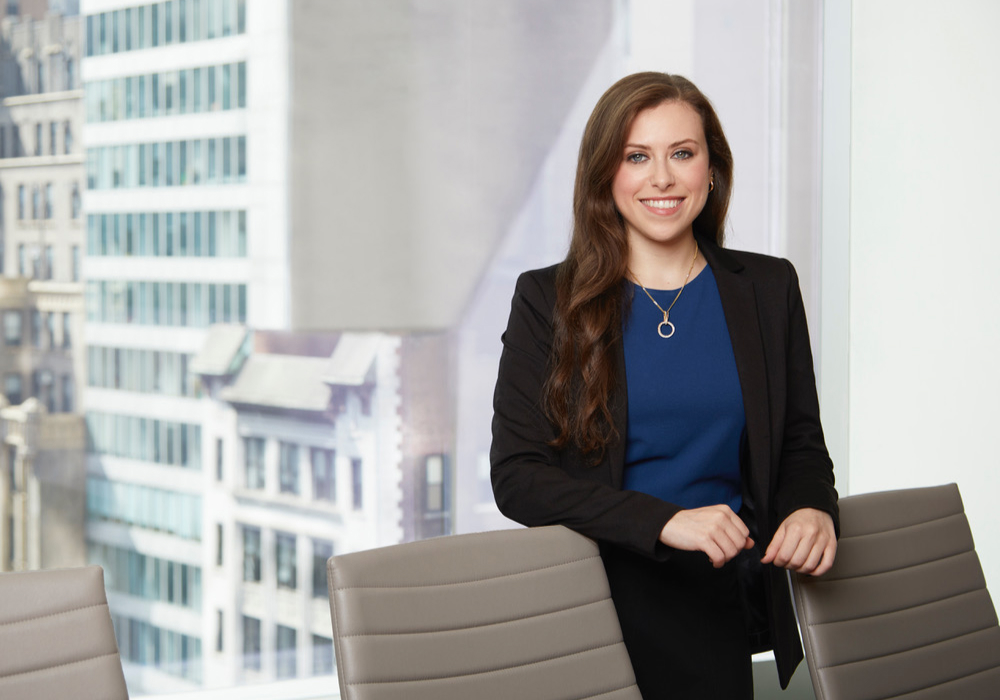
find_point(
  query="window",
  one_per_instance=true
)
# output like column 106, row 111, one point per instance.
column 322, row 551
column 75, row 272
column 12, row 327
column 12, row 388
column 285, row 648
column 48, row 201
column 67, row 393
column 285, row 557
column 251, row 553
column 22, row 202
column 254, row 449
column 36, row 328
column 22, row 260
column 356, row 500
column 67, row 138
column 219, row 544
column 67, row 334
column 322, row 655
column 288, row 468
column 218, row 459
column 52, row 138
column 36, row 203
column 218, row 630
column 49, row 263
column 38, row 138
column 74, row 201
column 324, row 474
column 434, row 480
column 50, row 329
column 251, row 636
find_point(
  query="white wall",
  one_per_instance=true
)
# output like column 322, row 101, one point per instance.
column 924, row 388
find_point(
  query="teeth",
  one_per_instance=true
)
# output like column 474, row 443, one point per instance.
column 661, row 203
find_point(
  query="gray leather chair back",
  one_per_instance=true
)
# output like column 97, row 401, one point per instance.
column 56, row 638
column 904, row 612
column 523, row 614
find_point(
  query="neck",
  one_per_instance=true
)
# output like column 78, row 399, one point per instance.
column 665, row 266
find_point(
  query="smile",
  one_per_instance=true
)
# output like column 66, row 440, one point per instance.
column 662, row 204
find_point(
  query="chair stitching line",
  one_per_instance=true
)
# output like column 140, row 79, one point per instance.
column 474, row 580
column 898, row 610
column 608, row 692
column 52, row 668
column 935, row 685
column 480, row 626
column 903, row 527
column 906, row 651
column 892, row 571
column 491, row 671
column 56, row 614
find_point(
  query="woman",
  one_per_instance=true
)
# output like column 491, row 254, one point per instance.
column 656, row 393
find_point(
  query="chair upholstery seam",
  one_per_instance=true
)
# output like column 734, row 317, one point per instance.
column 474, row 580
column 55, row 614
column 608, row 692
column 490, row 671
column 906, row 651
column 897, row 610
column 479, row 626
column 936, row 685
column 903, row 527
column 52, row 668
column 893, row 570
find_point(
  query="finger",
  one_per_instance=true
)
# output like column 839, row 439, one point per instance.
column 803, row 550
column 815, row 556
column 749, row 544
column 829, row 555
column 789, row 547
column 774, row 545
column 714, row 553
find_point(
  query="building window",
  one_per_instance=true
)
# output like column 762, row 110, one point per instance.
column 356, row 500
column 48, row 201
column 36, row 328
column 251, row 638
column 22, row 260
column 251, row 553
column 434, row 484
column 322, row 551
column 324, row 474
column 74, row 201
column 218, row 459
column 75, row 272
column 67, row 393
column 288, row 468
column 219, row 627
column 50, row 329
column 50, row 263
column 285, row 648
column 254, row 449
column 67, row 138
column 67, row 333
column 22, row 201
column 12, row 327
column 52, row 138
column 219, row 544
column 12, row 388
column 322, row 655
column 36, row 202
column 38, row 135
column 285, row 556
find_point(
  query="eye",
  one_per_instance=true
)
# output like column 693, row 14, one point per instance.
column 636, row 157
column 683, row 154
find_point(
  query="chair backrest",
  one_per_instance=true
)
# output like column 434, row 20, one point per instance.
column 521, row 614
column 56, row 637
column 904, row 612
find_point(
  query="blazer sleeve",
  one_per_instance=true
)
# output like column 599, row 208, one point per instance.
column 533, row 482
column 805, row 471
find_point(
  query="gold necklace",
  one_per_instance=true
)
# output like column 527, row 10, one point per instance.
column 666, row 312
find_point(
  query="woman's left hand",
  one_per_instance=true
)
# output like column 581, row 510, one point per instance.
column 805, row 542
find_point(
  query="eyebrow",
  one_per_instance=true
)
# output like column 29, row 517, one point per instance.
column 673, row 145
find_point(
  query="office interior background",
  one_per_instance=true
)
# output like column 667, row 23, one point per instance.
column 257, row 256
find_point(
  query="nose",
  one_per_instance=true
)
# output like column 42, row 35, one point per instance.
column 661, row 176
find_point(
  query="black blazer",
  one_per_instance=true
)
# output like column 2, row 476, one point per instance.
column 785, row 462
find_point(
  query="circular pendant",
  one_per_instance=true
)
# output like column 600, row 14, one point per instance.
column 670, row 329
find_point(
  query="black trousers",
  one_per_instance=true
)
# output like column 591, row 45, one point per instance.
column 683, row 625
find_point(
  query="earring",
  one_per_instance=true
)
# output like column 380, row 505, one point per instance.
column 711, row 184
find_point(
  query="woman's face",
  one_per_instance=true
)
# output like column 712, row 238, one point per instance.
column 663, row 178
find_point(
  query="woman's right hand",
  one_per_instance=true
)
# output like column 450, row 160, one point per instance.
column 715, row 530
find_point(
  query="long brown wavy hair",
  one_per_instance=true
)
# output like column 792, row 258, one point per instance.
column 590, row 284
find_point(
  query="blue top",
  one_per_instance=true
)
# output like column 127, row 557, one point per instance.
column 685, row 404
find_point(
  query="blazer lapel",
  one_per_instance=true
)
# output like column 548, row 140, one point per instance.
column 739, row 303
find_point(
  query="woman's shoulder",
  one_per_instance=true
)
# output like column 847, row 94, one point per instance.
column 757, row 266
column 538, row 286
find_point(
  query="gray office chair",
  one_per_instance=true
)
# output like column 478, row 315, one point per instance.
column 56, row 638
column 523, row 614
column 904, row 612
